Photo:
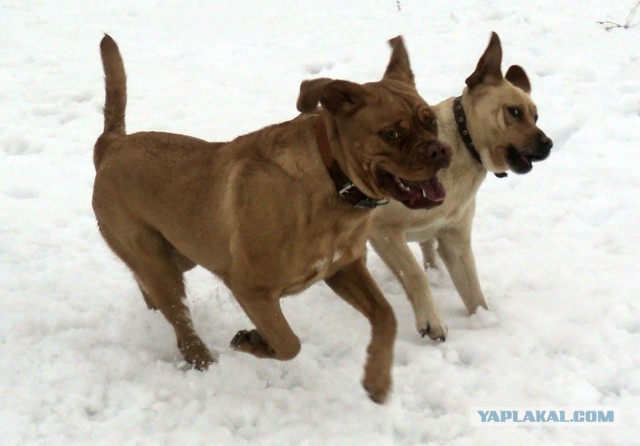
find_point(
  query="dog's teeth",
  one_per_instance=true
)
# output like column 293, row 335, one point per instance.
column 424, row 194
column 402, row 186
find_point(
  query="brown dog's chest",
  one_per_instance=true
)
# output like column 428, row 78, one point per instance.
column 335, row 246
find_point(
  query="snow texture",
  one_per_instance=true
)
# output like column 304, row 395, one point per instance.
column 82, row 360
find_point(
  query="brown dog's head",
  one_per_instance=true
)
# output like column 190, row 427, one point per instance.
column 383, row 134
column 501, row 115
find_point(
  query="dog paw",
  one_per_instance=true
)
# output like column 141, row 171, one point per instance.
column 196, row 353
column 436, row 331
column 430, row 265
column 377, row 388
column 244, row 337
column 251, row 341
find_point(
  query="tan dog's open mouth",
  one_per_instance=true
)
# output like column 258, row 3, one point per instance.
column 518, row 162
column 414, row 194
column 523, row 163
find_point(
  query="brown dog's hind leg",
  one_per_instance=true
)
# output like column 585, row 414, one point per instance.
column 147, row 298
column 182, row 263
column 273, row 337
column 160, row 279
column 354, row 284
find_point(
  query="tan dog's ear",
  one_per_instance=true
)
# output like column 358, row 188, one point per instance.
column 343, row 97
column 310, row 94
column 517, row 76
column 488, row 70
column 399, row 66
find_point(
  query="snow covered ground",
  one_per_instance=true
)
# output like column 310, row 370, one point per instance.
column 82, row 361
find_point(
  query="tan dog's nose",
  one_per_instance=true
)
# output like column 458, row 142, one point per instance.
column 545, row 141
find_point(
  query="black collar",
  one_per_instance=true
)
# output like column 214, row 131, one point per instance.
column 461, row 122
column 345, row 187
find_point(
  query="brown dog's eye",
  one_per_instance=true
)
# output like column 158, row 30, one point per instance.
column 433, row 125
column 535, row 119
column 391, row 136
column 515, row 112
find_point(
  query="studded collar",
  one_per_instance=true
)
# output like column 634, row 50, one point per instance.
column 461, row 122
column 344, row 186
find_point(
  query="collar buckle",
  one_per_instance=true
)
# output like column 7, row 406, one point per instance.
column 364, row 203
column 344, row 186
column 346, row 189
column 371, row 203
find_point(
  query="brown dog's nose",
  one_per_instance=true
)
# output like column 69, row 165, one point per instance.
column 438, row 152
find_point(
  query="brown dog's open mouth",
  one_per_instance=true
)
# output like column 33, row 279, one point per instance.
column 414, row 194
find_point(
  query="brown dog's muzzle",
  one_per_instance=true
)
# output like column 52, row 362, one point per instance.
column 438, row 154
column 420, row 189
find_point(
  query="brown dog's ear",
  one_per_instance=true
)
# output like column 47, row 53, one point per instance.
column 399, row 66
column 342, row 97
column 488, row 70
column 517, row 76
column 310, row 94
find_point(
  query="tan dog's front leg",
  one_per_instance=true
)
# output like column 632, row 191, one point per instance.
column 396, row 254
column 273, row 337
column 354, row 284
column 454, row 247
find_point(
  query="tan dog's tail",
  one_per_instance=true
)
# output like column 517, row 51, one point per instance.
column 115, row 103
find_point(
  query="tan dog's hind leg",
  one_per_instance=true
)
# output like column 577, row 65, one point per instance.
column 356, row 286
column 428, row 254
column 273, row 337
column 394, row 251
column 454, row 247
column 160, row 279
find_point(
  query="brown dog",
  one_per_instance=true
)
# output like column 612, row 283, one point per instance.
column 491, row 127
column 270, row 212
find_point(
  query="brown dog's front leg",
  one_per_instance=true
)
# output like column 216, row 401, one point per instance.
column 355, row 285
column 273, row 337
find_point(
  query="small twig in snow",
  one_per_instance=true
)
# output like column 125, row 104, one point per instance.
column 609, row 25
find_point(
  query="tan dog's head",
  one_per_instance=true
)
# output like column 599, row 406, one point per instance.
column 386, row 133
column 501, row 115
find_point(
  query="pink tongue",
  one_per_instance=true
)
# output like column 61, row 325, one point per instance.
column 433, row 189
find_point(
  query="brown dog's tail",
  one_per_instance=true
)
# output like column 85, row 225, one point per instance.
column 115, row 102
column 115, row 86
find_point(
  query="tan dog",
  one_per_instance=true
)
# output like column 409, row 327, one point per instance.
column 498, row 133
column 263, row 212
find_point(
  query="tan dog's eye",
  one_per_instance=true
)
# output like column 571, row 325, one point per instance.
column 391, row 136
column 515, row 112
column 535, row 119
